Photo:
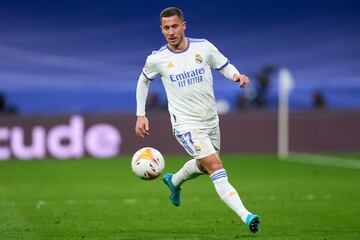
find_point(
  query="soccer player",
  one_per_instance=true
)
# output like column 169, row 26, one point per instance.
column 184, row 65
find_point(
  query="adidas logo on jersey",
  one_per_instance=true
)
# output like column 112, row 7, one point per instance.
column 170, row 65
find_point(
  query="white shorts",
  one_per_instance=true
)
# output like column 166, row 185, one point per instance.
column 199, row 143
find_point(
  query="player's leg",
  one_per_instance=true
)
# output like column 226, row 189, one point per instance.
column 213, row 165
column 190, row 170
column 227, row 192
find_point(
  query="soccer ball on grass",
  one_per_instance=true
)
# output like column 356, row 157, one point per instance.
column 147, row 163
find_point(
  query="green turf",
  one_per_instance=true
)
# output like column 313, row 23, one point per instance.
column 102, row 199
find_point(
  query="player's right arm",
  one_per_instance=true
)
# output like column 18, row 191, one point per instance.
column 148, row 74
column 142, row 123
column 142, row 126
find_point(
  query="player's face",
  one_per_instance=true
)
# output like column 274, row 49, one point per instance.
column 173, row 29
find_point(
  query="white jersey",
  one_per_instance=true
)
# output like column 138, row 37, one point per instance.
column 188, row 82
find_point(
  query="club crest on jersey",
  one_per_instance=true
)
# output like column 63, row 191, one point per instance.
column 198, row 58
column 170, row 65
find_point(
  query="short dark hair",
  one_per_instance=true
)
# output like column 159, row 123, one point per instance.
column 171, row 11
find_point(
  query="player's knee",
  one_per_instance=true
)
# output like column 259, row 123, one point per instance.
column 211, row 163
column 201, row 167
column 214, row 166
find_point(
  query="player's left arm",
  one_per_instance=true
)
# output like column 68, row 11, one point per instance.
column 230, row 72
column 220, row 63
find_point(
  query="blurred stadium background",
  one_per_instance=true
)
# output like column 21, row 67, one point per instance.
column 84, row 57
column 68, row 73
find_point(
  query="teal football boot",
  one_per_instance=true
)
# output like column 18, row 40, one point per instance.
column 253, row 221
column 174, row 191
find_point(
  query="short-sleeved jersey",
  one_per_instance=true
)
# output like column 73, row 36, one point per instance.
column 188, row 82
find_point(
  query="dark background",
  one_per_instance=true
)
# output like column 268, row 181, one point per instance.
column 85, row 56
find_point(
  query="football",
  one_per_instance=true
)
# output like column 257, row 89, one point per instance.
column 147, row 163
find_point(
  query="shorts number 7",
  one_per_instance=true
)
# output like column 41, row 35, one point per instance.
column 188, row 135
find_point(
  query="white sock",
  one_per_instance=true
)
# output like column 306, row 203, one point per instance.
column 228, row 193
column 188, row 171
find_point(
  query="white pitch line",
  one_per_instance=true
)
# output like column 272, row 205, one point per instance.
column 315, row 159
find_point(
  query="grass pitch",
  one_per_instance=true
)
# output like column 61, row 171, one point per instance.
column 102, row 199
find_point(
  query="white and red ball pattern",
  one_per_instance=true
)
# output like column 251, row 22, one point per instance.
column 147, row 163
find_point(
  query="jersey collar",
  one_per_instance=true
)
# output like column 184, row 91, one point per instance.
column 167, row 45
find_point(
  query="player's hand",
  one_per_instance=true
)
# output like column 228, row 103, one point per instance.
column 142, row 126
column 242, row 79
